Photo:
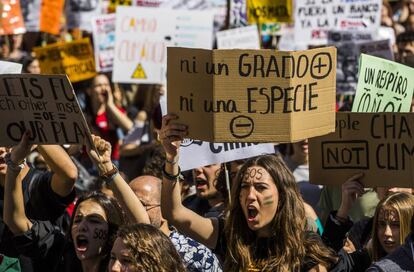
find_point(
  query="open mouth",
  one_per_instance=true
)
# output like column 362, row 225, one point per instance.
column 252, row 213
column 200, row 183
column 81, row 243
column 2, row 160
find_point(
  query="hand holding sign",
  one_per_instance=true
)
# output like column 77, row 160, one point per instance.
column 101, row 154
column 20, row 151
column 171, row 135
column 351, row 190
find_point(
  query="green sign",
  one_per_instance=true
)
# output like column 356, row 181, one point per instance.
column 383, row 86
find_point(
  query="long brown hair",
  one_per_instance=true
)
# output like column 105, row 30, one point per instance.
column 287, row 250
column 151, row 249
column 403, row 203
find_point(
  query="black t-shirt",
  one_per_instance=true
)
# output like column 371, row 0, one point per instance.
column 41, row 204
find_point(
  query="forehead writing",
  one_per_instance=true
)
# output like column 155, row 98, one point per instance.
column 253, row 173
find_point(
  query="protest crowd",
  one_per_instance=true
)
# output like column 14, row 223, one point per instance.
column 96, row 174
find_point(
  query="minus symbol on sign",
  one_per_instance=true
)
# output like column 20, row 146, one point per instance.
column 243, row 125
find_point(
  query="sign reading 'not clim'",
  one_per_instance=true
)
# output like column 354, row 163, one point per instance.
column 252, row 95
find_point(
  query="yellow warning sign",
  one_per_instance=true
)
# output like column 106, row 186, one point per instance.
column 139, row 72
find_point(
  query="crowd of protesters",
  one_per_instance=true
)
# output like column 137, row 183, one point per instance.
column 123, row 204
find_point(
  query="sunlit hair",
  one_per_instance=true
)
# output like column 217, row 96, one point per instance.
column 151, row 249
column 403, row 204
column 287, row 251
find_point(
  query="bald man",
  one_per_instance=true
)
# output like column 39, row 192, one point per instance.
column 196, row 256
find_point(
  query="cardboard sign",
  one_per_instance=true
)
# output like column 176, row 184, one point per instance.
column 313, row 18
column 269, row 11
column 142, row 37
column 11, row 20
column 74, row 59
column 7, row 67
column 104, row 41
column 252, row 95
column 79, row 13
column 383, row 86
column 211, row 153
column 347, row 62
column 241, row 38
column 50, row 16
column 46, row 105
column 378, row 144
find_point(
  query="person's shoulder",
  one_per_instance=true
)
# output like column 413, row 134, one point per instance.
column 399, row 260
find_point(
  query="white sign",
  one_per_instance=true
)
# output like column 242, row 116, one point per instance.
column 142, row 37
column 211, row 153
column 239, row 38
column 7, row 67
column 104, row 41
column 313, row 18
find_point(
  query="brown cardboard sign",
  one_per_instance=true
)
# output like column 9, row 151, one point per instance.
column 252, row 95
column 378, row 144
column 44, row 104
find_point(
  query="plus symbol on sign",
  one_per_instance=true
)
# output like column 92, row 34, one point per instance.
column 320, row 65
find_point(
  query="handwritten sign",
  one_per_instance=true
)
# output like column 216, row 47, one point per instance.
column 104, row 41
column 11, row 20
column 269, row 11
column 142, row 37
column 7, row 67
column 241, row 38
column 46, row 105
column 378, row 144
column 74, row 59
column 252, row 95
column 383, row 86
column 313, row 18
column 211, row 153
column 50, row 16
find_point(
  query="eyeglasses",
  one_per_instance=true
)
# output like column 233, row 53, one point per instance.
column 150, row 206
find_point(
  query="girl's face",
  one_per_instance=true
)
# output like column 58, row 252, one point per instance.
column 100, row 88
column 259, row 199
column 34, row 67
column 121, row 259
column 388, row 230
column 89, row 230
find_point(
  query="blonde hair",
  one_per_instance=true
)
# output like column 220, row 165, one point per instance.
column 403, row 204
column 286, row 249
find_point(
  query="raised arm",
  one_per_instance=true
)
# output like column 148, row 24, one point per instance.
column 122, row 192
column 186, row 221
column 14, row 213
column 117, row 116
column 64, row 170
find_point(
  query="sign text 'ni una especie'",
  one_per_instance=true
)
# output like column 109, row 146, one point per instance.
column 252, row 95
